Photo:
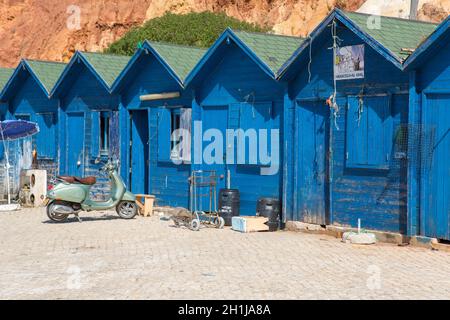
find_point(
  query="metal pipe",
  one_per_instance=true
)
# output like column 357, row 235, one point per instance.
column 413, row 10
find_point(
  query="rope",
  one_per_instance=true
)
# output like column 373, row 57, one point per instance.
column 334, row 104
column 360, row 105
column 310, row 58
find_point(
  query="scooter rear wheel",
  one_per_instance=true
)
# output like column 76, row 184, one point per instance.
column 54, row 216
column 127, row 209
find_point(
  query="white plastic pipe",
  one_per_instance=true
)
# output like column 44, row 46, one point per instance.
column 7, row 164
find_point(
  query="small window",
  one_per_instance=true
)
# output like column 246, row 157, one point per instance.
column 369, row 132
column 176, row 138
column 104, row 133
column 171, row 124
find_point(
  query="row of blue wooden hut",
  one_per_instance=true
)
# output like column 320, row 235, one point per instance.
column 371, row 143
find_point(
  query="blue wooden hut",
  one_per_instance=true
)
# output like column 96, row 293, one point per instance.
column 345, row 116
column 89, row 114
column 429, row 178
column 27, row 97
column 153, row 105
column 234, row 87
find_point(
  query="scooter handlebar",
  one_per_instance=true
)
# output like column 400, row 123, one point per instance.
column 111, row 165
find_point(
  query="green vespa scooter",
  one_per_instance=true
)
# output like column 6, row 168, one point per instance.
column 71, row 195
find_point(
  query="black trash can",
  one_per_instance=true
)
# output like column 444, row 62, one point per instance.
column 271, row 209
column 229, row 202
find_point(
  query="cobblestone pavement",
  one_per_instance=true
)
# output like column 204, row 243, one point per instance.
column 147, row 258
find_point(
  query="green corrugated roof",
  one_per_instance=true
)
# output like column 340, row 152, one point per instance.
column 273, row 50
column 5, row 74
column 395, row 33
column 108, row 66
column 48, row 72
column 182, row 59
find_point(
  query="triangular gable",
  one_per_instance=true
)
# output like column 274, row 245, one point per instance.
column 104, row 68
column 177, row 60
column 387, row 41
column 438, row 38
column 43, row 72
column 273, row 49
column 47, row 72
column 228, row 35
column 107, row 66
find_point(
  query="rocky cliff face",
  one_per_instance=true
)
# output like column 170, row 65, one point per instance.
column 54, row 29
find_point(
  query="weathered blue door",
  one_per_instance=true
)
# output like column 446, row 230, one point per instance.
column 75, row 144
column 214, row 125
column 139, row 151
column 310, row 165
column 25, row 146
column 436, row 184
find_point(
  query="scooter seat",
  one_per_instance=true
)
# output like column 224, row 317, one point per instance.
column 87, row 180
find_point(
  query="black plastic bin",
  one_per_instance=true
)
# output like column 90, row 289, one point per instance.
column 271, row 209
column 229, row 202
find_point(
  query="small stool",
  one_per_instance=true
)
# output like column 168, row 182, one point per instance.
column 145, row 203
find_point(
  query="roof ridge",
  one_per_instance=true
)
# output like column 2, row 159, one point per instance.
column 393, row 18
column 106, row 54
column 269, row 34
column 176, row 45
column 45, row 61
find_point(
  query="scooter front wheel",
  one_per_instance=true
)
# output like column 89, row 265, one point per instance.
column 127, row 209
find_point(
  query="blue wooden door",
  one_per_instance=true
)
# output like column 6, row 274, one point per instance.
column 75, row 144
column 436, row 184
column 139, row 151
column 311, row 165
column 25, row 146
column 214, row 118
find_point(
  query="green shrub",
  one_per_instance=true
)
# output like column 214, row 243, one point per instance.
column 194, row 29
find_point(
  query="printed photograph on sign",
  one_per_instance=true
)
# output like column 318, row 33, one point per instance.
column 349, row 63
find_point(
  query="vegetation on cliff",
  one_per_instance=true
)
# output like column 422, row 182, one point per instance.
column 194, row 29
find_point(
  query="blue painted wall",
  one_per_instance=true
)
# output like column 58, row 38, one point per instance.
column 253, row 99
column 84, row 96
column 166, row 180
column 433, row 87
column 375, row 195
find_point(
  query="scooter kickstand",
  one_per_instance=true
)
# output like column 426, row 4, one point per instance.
column 79, row 219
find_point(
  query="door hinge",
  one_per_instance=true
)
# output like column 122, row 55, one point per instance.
column 346, row 156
